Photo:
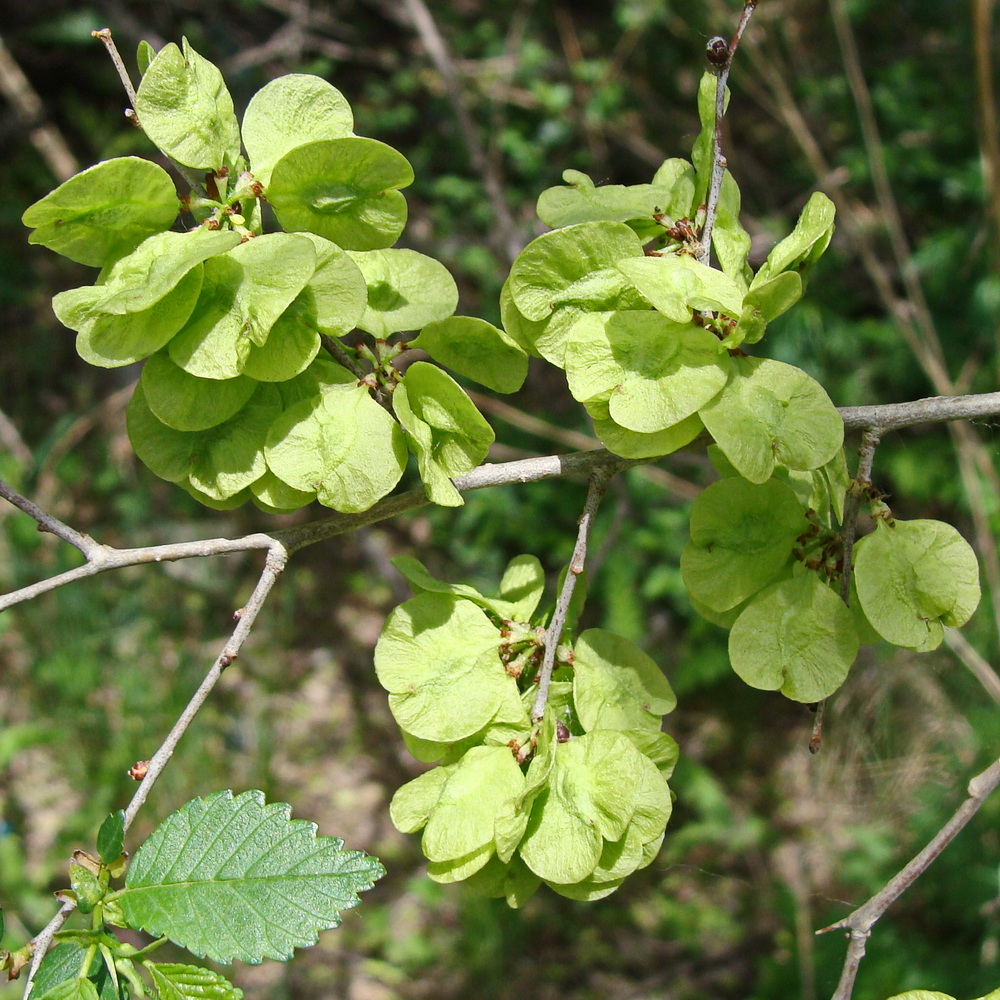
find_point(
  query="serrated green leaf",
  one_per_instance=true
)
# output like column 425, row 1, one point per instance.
column 68, row 989
column 232, row 877
column 339, row 444
column 797, row 636
column 590, row 796
column 288, row 112
column 741, row 537
column 438, row 657
column 104, row 212
column 110, row 839
column 462, row 820
column 184, row 107
column 572, row 266
column 654, row 373
column 188, row 403
column 632, row 444
column 616, row 685
column 243, row 294
column 111, row 341
column 476, row 349
column 450, row 436
column 913, row 578
column 344, row 190
column 406, row 291
column 772, row 414
column 677, row 285
column 220, row 461
column 190, row 982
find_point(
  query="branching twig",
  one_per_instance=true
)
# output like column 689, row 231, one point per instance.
column 598, row 484
column 104, row 35
column 277, row 556
column 860, row 922
column 721, row 57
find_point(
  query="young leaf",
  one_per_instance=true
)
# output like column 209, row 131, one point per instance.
column 243, row 294
column 337, row 286
column 188, row 403
column 653, row 373
column 104, row 212
column 220, row 461
column 741, row 537
column 616, row 685
column 572, row 266
column 632, row 444
column 232, row 877
column 190, row 982
column 111, row 341
column 463, row 818
column 144, row 55
column 68, row 989
column 914, row 578
column 581, row 201
column 773, row 414
column 476, row 349
column 184, row 107
column 288, row 112
column 522, row 585
column 406, row 291
column 797, row 636
column 677, row 285
column 110, row 838
column 344, row 190
column 449, row 434
column 340, row 445
column 438, row 657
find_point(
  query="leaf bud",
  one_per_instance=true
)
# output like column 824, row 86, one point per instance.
column 717, row 52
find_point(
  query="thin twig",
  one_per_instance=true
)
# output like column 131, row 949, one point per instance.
column 718, row 159
column 989, row 144
column 104, row 35
column 46, row 522
column 860, row 922
column 277, row 557
column 595, row 492
column 41, row 941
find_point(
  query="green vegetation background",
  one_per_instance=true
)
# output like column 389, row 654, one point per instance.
column 766, row 843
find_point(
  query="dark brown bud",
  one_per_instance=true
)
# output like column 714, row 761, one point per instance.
column 138, row 770
column 717, row 52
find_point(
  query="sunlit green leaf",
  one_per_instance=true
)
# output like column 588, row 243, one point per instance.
column 344, row 190
column 632, row 444
column 741, row 537
column 797, row 636
column 288, row 112
column 476, row 349
column 677, row 285
column 915, row 577
column 185, row 108
column 110, row 838
column 190, row 982
column 104, row 212
column 235, row 878
column 406, row 291
column 341, row 445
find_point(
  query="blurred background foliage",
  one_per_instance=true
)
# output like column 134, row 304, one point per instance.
column 766, row 843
